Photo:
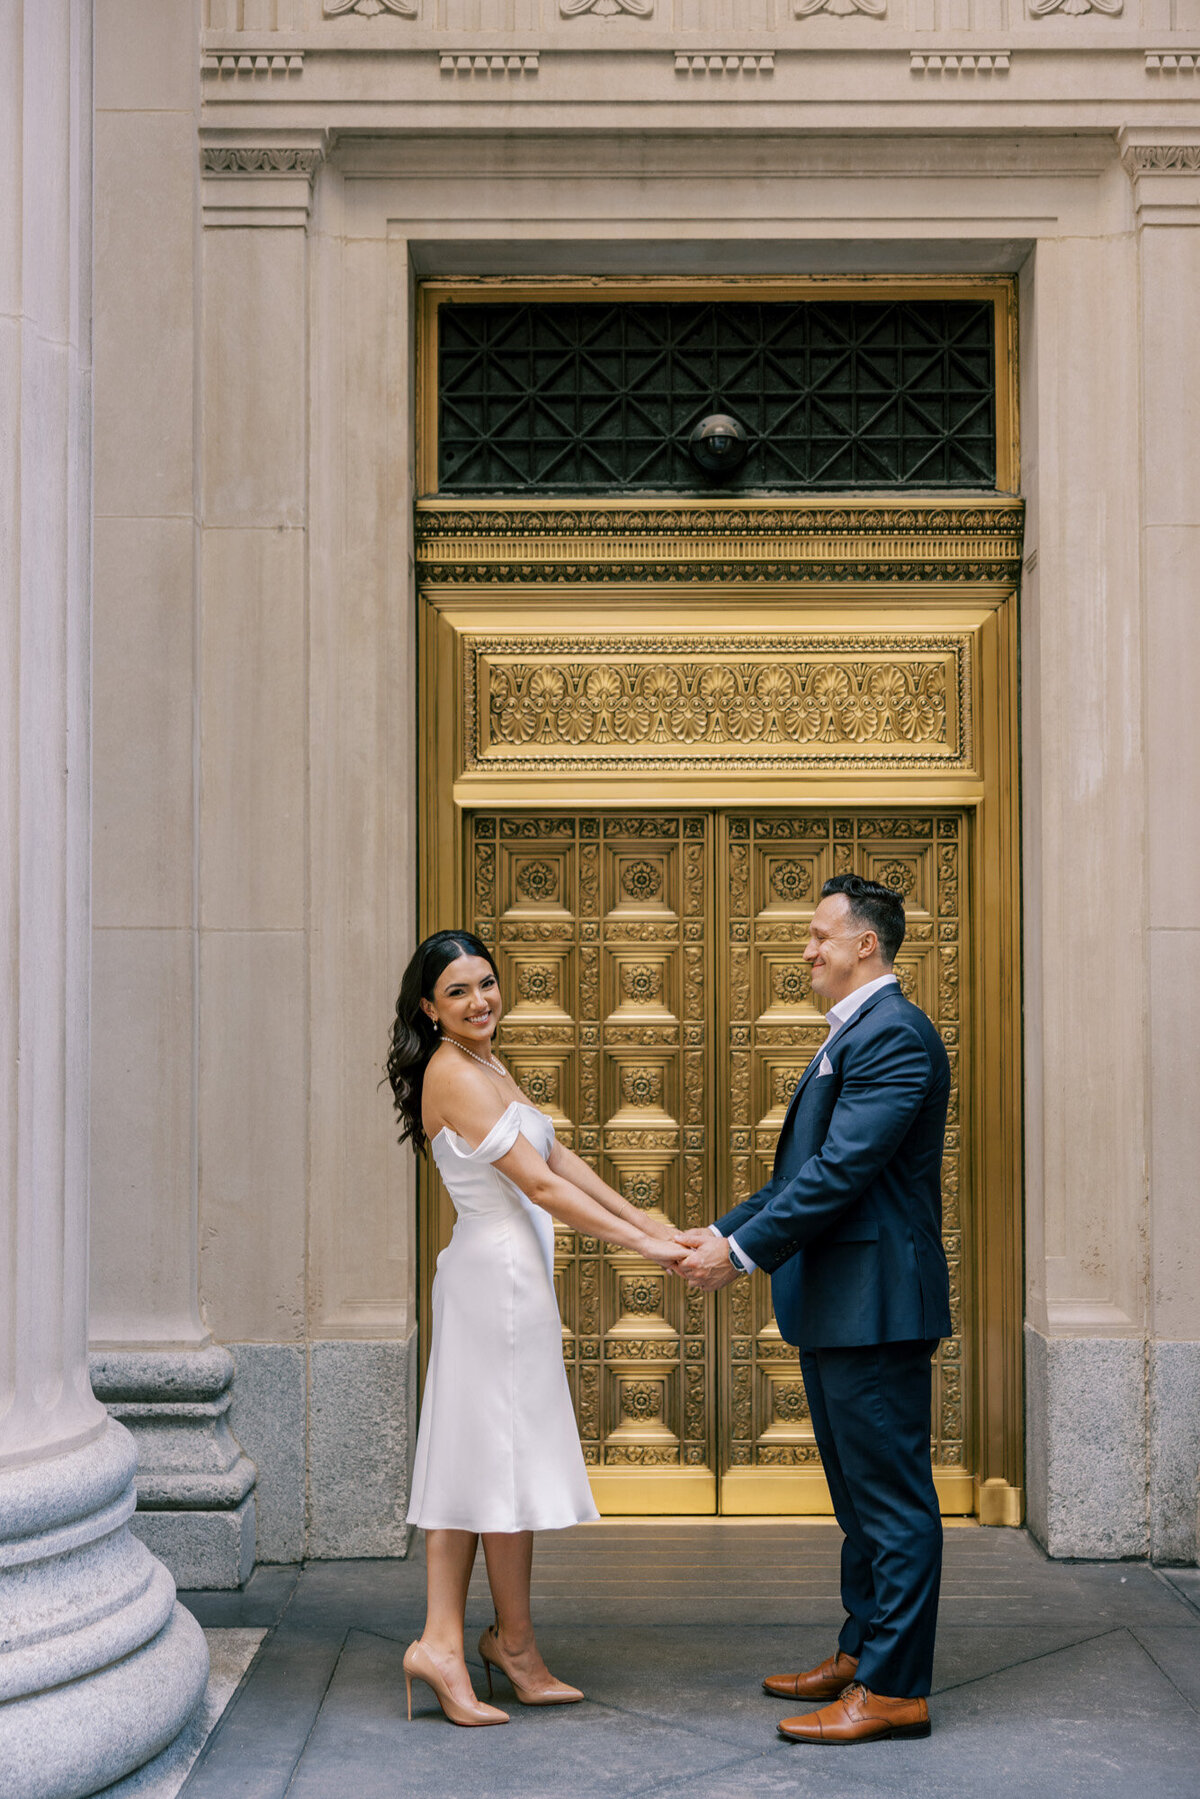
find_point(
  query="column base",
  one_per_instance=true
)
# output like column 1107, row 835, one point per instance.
column 102, row 1667
column 195, row 1487
column 202, row 1549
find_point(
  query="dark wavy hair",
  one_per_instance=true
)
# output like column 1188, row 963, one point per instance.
column 875, row 907
column 414, row 1034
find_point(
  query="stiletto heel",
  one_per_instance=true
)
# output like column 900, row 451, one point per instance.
column 418, row 1664
column 487, row 1668
column 557, row 1693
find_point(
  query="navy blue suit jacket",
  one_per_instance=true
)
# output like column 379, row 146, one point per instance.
column 849, row 1226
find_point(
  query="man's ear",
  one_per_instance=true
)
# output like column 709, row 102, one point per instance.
column 869, row 946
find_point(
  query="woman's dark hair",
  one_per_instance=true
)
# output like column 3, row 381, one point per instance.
column 875, row 907
column 414, row 1034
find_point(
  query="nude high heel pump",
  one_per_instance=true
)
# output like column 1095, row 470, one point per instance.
column 557, row 1693
column 418, row 1664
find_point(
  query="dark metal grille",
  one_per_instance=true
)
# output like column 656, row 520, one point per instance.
column 588, row 397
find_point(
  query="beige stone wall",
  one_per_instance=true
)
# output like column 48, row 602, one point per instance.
column 255, row 735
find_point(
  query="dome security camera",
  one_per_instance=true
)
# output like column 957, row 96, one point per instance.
column 718, row 445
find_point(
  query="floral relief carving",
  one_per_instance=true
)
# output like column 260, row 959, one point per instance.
column 791, row 984
column 644, row 1188
column 537, row 881
column 641, row 981
column 221, row 160
column 788, row 1401
column 606, row 9
column 791, row 881
column 1163, row 159
column 1039, row 9
column 642, row 1400
column 537, row 982
column 900, row 875
column 541, row 1084
column 641, row 1294
column 948, row 878
column 404, row 9
column 642, row 1086
column 784, row 1082
column 875, row 9
column 642, row 880
column 485, row 876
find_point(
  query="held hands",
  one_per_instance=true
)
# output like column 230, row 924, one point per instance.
column 707, row 1265
column 699, row 1255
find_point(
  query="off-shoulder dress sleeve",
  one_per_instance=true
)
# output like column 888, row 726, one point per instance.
column 497, row 1143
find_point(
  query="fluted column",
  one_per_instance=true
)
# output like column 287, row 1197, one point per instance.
column 101, row 1666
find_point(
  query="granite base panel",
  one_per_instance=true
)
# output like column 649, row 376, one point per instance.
column 1175, row 1453
column 211, row 1550
column 269, row 1416
column 362, row 1431
column 1086, row 1445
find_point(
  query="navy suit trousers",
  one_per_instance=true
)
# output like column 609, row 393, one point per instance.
column 870, row 1413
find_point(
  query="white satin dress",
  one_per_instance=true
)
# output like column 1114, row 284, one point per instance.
column 498, row 1446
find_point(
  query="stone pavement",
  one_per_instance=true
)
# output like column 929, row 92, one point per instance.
column 1053, row 1680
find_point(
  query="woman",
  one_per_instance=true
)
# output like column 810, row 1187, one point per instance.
column 498, row 1451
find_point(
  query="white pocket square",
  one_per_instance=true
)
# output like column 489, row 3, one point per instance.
column 825, row 1068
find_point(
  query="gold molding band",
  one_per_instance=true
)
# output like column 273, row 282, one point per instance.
column 972, row 541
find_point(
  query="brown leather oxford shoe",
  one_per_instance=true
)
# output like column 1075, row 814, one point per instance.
column 859, row 1717
column 826, row 1682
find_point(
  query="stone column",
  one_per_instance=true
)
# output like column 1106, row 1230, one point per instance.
column 1164, row 166
column 102, row 1667
column 154, row 1363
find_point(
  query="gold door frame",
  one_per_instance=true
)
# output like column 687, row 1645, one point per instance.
column 515, row 583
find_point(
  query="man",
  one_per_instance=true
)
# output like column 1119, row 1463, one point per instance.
column 849, row 1229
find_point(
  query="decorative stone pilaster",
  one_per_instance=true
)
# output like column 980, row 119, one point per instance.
column 101, row 1668
column 195, row 1488
column 1164, row 168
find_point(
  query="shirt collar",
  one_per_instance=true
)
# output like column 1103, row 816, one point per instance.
column 845, row 1009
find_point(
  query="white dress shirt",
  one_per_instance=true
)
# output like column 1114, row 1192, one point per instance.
column 835, row 1018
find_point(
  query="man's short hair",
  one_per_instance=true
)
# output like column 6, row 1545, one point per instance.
column 873, row 907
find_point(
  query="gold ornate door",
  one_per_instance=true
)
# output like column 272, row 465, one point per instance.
column 647, row 741
column 660, row 1009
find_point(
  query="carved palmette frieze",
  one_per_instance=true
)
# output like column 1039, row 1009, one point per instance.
column 689, row 702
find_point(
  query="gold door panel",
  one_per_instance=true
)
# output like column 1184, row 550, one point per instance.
column 771, row 870
column 602, row 940
column 629, row 946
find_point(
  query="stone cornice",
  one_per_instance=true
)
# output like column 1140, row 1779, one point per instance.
column 259, row 177
column 1164, row 167
column 952, row 539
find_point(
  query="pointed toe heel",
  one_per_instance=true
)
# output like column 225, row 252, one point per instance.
column 419, row 1665
column 557, row 1693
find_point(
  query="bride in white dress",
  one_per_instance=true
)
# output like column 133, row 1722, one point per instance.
column 498, row 1451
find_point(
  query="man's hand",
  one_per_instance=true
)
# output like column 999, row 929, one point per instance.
column 707, row 1264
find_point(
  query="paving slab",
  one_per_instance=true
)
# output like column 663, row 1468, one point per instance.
column 362, row 1743
column 1053, row 1680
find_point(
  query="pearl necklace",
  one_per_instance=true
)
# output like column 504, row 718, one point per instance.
column 492, row 1064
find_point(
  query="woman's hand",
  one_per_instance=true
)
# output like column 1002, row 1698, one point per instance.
column 658, row 1227
column 659, row 1249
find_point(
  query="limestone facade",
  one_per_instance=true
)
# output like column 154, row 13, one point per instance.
column 272, row 179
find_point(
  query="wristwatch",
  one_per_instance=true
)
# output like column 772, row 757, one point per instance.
column 736, row 1259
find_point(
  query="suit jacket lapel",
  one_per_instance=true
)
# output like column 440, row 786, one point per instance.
column 816, row 1060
